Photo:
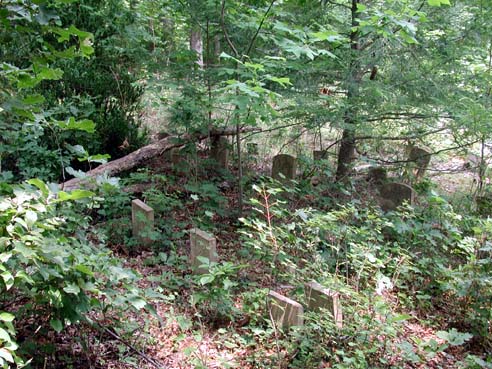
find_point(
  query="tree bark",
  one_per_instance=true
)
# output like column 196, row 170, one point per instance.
column 196, row 44
column 346, row 153
column 145, row 153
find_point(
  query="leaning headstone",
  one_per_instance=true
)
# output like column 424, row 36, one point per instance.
column 284, row 311
column 319, row 155
column 202, row 244
column 395, row 194
column 377, row 175
column 419, row 158
column 219, row 151
column 142, row 220
column 284, row 164
column 319, row 298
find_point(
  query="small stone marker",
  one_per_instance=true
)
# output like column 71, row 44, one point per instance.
column 284, row 311
column 420, row 159
column 202, row 244
column 285, row 164
column 377, row 175
column 220, row 151
column 318, row 298
column 319, row 155
column 395, row 194
column 142, row 219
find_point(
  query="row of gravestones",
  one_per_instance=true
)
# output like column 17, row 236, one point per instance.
column 284, row 312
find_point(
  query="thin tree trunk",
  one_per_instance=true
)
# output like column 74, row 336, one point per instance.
column 196, row 44
column 346, row 153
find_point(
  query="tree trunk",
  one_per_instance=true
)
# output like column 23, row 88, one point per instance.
column 196, row 44
column 346, row 153
column 145, row 153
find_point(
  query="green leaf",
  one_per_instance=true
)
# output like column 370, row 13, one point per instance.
column 74, row 195
column 40, row 185
column 6, row 355
column 84, row 269
column 206, row 279
column 56, row 324
column 137, row 302
column 31, row 218
column 72, row 289
column 6, row 317
column 438, row 2
column 4, row 335
column 86, row 125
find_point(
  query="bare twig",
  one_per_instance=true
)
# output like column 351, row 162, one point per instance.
column 145, row 357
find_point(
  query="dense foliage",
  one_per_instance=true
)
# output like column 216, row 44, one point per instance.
column 362, row 81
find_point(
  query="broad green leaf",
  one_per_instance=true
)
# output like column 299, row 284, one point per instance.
column 74, row 195
column 86, row 125
column 72, row 289
column 31, row 218
column 84, row 269
column 40, row 185
column 56, row 324
column 4, row 353
column 8, row 279
column 4, row 335
column 6, row 317
column 438, row 2
column 206, row 279
column 137, row 302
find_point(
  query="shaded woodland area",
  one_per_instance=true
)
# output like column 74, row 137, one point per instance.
column 245, row 184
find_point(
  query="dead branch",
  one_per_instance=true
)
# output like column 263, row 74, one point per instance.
column 145, row 153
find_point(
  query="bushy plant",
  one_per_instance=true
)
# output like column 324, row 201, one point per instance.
column 49, row 269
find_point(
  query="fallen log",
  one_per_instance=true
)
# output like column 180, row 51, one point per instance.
column 145, row 153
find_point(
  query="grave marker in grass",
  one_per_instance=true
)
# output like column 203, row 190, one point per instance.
column 142, row 220
column 204, row 245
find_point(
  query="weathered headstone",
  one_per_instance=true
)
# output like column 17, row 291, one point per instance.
column 395, row 194
column 377, row 175
column 318, row 298
column 142, row 220
column 202, row 244
column 219, row 151
column 319, row 155
column 284, row 164
column 419, row 158
column 284, row 311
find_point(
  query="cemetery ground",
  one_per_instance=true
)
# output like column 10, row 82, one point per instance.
column 227, row 315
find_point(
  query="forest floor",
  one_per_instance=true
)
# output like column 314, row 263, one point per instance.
column 181, row 337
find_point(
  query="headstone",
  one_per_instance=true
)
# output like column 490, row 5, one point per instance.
column 219, row 151
column 284, row 311
column 319, row 155
column 420, row 159
column 377, row 175
column 285, row 164
column 319, row 298
column 395, row 194
column 142, row 220
column 202, row 244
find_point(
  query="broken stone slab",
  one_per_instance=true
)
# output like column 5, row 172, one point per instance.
column 319, row 298
column 377, row 175
column 394, row 195
column 419, row 158
column 285, row 312
column 202, row 244
column 284, row 164
column 142, row 220
column 219, row 151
